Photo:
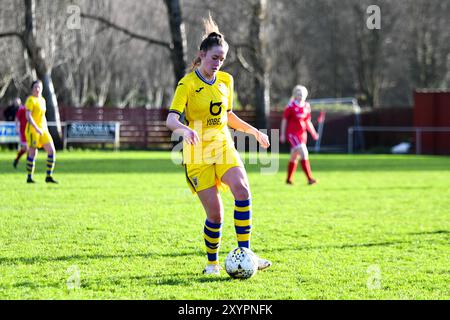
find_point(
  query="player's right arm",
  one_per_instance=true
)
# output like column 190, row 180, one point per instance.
column 16, row 120
column 29, row 108
column 174, row 124
column 284, row 125
column 177, row 108
column 283, row 131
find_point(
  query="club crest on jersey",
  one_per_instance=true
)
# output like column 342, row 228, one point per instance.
column 215, row 108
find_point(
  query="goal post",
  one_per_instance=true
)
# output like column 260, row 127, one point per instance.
column 329, row 106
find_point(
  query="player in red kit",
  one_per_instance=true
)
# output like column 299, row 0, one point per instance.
column 21, row 123
column 295, row 126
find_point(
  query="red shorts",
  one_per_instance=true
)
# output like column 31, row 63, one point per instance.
column 296, row 139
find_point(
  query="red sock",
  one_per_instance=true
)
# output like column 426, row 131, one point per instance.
column 291, row 170
column 20, row 154
column 307, row 169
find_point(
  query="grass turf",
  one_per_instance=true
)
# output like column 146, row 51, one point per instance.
column 125, row 226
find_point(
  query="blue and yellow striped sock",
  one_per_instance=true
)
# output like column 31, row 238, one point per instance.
column 212, row 235
column 50, row 164
column 30, row 167
column 243, row 222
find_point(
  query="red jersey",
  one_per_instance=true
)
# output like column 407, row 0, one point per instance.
column 21, row 117
column 297, row 114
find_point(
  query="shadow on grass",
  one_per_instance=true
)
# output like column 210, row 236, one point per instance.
column 41, row 259
column 71, row 258
column 381, row 188
column 429, row 233
column 185, row 279
column 354, row 245
column 35, row 286
column 322, row 164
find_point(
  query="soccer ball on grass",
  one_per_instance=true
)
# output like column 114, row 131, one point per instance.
column 241, row 263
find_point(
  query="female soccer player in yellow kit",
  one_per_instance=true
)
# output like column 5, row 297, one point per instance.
column 37, row 133
column 209, row 156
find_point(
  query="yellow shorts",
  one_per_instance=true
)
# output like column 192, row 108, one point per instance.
column 35, row 140
column 202, row 176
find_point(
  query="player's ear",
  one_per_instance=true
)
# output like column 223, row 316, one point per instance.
column 202, row 54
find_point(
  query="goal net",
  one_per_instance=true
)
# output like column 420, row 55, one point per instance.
column 332, row 117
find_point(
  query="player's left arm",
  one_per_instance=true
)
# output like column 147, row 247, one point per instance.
column 309, row 124
column 237, row 123
column 312, row 130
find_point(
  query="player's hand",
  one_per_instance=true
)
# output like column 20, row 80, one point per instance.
column 316, row 137
column 282, row 138
column 263, row 139
column 190, row 136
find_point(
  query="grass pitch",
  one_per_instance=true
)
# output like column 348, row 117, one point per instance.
column 125, row 226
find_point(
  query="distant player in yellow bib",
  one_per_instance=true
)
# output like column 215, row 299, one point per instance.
column 37, row 133
column 206, row 97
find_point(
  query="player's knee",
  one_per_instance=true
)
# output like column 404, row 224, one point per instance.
column 51, row 151
column 31, row 152
column 215, row 215
column 304, row 155
column 242, row 192
column 214, row 210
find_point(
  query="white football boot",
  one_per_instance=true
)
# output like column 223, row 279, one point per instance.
column 212, row 269
column 263, row 263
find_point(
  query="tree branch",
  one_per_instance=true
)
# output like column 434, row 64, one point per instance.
column 243, row 62
column 126, row 31
column 6, row 80
column 12, row 34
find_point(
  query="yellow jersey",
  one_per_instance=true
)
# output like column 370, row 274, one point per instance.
column 37, row 106
column 206, row 105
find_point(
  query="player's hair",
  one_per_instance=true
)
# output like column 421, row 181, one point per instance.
column 35, row 82
column 300, row 88
column 211, row 38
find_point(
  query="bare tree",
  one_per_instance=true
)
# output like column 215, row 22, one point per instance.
column 258, row 53
column 430, row 37
column 255, row 46
column 132, row 53
column 371, row 58
column 42, row 65
column 178, row 34
column 177, row 47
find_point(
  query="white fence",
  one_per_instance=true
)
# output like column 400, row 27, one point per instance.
column 8, row 132
column 74, row 132
column 92, row 132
